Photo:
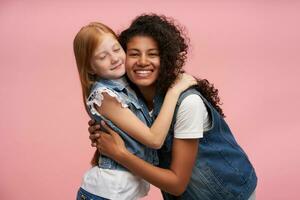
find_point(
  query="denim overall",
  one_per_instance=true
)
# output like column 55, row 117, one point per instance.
column 127, row 96
column 222, row 170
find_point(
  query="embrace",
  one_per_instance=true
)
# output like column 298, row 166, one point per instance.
column 153, row 123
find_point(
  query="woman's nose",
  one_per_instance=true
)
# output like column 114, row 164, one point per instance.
column 143, row 60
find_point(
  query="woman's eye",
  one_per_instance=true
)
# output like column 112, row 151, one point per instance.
column 153, row 54
column 117, row 49
column 133, row 54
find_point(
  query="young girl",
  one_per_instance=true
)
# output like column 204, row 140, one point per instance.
column 200, row 159
column 101, row 65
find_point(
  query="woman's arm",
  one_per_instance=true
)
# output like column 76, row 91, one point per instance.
column 173, row 180
column 127, row 121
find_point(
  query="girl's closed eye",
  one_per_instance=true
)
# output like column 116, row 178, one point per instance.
column 117, row 49
column 102, row 57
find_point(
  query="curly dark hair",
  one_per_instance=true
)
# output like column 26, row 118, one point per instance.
column 173, row 47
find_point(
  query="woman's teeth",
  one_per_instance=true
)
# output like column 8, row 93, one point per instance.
column 143, row 73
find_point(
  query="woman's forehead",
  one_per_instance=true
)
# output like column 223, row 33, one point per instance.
column 142, row 42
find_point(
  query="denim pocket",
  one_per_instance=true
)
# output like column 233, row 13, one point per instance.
column 205, row 185
column 229, row 161
column 82, row 195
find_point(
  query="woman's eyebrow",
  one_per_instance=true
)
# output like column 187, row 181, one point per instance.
column 155, row 49
column 133, row 49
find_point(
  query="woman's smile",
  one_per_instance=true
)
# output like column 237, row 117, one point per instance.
column 142, row 61
column 143, row 73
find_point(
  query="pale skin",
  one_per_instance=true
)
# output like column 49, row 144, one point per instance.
column 173, row 180
column 108, row 63
column 154, row 136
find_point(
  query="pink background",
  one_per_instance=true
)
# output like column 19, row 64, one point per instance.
column 249, row 49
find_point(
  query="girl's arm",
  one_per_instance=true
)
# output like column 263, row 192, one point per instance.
column 173, row 180
column 126, row 120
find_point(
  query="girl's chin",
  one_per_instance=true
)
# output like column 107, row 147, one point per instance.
column 120, row 72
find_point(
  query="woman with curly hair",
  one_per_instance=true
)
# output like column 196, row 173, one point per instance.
column 200, row 158
column 100, row 61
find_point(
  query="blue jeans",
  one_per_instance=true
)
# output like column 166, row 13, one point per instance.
column 84, row 195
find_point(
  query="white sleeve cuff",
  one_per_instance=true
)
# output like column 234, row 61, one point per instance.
column 189, row 135
column 96, row 97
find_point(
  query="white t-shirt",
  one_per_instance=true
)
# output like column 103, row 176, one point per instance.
column 192, row 118
column 114, row 184
column 191, row 121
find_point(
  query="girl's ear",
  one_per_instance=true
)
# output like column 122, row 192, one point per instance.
column 91, row 69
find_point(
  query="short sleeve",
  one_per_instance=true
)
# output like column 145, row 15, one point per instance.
column 96, row 98
column 191, row 118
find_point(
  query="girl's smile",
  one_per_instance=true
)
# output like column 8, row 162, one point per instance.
column 109, row 58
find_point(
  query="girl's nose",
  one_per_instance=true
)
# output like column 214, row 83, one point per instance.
column 114, row 58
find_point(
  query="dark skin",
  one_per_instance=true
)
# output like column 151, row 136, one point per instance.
column 94, row 130
column 173, row 180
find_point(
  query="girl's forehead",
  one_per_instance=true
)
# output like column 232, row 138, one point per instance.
column 106, row 42
column 107, row 39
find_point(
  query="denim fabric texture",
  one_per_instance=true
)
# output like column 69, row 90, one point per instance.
column 85, row 195
column 222, row 170
column 124, row 93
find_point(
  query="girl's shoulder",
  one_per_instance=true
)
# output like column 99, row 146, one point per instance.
column 112, row 84
column 96, row 95
column 99, row 87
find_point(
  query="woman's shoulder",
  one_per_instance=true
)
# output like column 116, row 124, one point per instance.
column 190, row 92
column 192, row 103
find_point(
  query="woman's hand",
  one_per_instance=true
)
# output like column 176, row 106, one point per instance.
column 94, row 130
column 183, row 82
column 110, row 143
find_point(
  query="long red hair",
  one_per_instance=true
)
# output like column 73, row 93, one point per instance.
column 84, row 45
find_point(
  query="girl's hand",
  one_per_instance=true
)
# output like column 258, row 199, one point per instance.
column 110, row 143
column 183, row 82
column 94, row 130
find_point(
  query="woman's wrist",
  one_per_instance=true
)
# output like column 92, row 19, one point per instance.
column 121, row 155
